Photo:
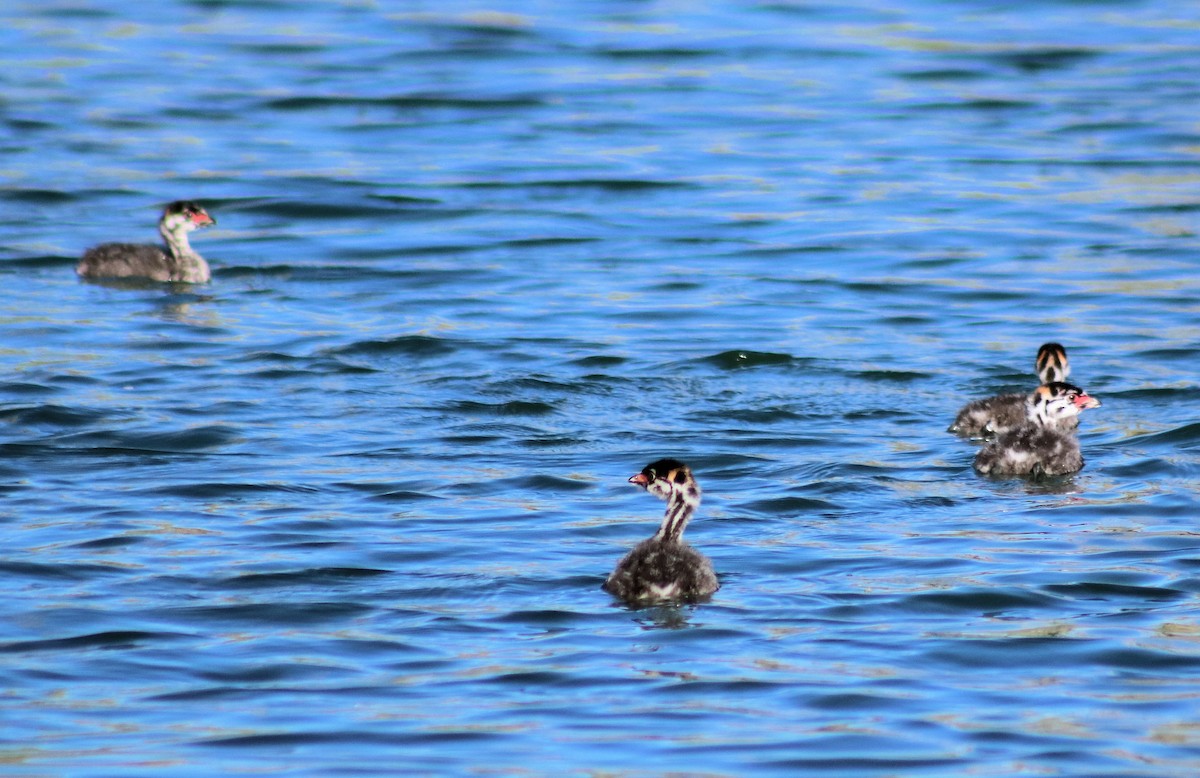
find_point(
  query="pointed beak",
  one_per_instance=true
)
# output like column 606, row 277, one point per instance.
column 1086, row 401
column 640, row 479
column 202, row 219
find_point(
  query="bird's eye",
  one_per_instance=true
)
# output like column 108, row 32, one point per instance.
column 651, row 474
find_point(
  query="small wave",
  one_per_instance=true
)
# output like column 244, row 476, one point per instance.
column 34, row 196
column 114, row 639
column 509, row 408
column 50, row 415
column 285, row 613
column 789, row 506
column 406, row 345
column 196, row 439
column 741, row 359
column 317, row 102
column 319, row 576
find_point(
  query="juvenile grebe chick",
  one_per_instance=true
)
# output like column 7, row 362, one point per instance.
column 999, row 414
column 1045, row 444
column 176, row 262
column 663, row 567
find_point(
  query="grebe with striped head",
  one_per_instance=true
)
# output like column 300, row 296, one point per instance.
column 664, row 567
column 1045, row 445
column 997, row 415
column 177, row 261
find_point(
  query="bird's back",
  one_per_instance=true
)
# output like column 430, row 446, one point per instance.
column 991, row 414
column 662, row 570
column 120, row 260
column 1031, row 450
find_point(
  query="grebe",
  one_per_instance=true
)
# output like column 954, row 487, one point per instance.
column 177, row 262
column 999, row 414
column 663, row 567
column 1045, row 444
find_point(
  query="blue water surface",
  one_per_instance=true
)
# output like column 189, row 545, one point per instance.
column 347, row 509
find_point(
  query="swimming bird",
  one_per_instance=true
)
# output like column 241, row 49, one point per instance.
column 997, row 415
column 1045, row 445
column 663, row 567
column 177, row 261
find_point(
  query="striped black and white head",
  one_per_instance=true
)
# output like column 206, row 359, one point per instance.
column 671, row 480
column 667, row 478
column 1052, row 364
column 1053, row 403
column 183, row 216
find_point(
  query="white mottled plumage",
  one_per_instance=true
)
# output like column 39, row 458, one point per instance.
column 663, row 567
column 996, row 415
column 177, row 261
column 1045, row 445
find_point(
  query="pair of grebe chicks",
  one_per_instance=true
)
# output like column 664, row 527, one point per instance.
column 1034, row 434
column 1030, row 435
column 660, row 568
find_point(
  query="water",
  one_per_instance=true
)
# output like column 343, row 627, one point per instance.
column 347, row 509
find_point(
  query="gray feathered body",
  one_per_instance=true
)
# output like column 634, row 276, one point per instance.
column 994, row 416
column 1031, row 450
column 991, row 415
column 662, row 570
column 127, row 260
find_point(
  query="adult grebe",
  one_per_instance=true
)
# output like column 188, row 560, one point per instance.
column 663, row 567
column 1045, row 444
column 178, row 262
column 999, row 414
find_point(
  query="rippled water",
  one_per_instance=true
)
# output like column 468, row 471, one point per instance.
column 347, row 508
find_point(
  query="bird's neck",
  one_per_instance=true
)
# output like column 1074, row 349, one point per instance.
column 177, row 241
column 189, row 265
column 680, row 508
column 1042, row 414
